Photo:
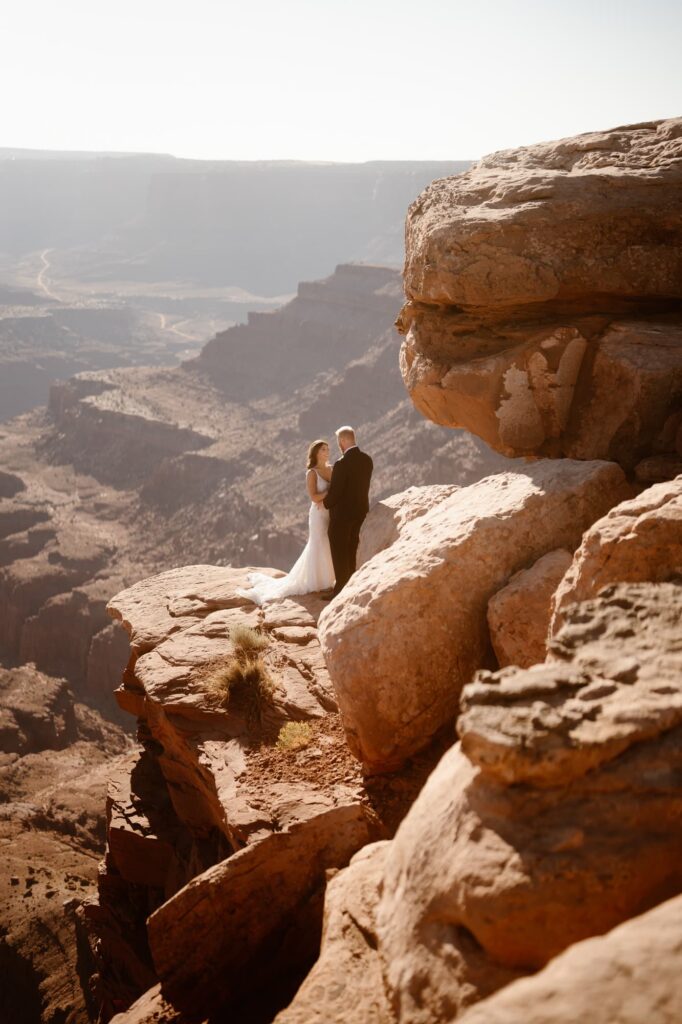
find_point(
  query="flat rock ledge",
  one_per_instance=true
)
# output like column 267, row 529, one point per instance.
column 211, row 822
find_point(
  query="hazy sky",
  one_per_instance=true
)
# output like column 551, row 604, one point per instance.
column 331, row 79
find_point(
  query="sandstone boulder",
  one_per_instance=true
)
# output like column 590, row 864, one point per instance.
column 245, row 910
column 519, row 217
column 519, row 614
column 345, row 985
column 629, row 975
column 542, row 287
column 556, row 819
column 641, row 364
column 179, row 624
column 640, row 539
column 410, row 629
column 388, row 517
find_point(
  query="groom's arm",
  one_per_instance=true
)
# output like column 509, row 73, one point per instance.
column 336, row 486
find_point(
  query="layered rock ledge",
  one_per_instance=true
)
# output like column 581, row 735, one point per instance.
column 544, row 297
column 555, row 819
column 214, row 829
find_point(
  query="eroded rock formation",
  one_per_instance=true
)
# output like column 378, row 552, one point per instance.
column 416, row 612
column 212, row 829
column 628, row 975
column 640, row 539
column 55, row 759
column 556, row 818
column 520, row 613
column 544, row 289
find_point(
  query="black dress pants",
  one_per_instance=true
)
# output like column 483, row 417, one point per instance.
column 344, row 537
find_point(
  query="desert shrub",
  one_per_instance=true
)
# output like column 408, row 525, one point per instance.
column 256, row 688
column 294, row 735
column 223, row 679
column 247, row 680
column 244, row 676
column 248, row 643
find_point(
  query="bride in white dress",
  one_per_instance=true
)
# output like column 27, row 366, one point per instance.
column 314, row 569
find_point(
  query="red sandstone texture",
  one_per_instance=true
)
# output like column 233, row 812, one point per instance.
column 416, row 611
column 247, row 881
column 55, row 760
column 544, row 290
column 212, row 828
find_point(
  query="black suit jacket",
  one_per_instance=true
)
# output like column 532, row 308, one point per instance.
column 348, row 494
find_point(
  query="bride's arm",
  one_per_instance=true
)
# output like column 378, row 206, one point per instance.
column 311, row 484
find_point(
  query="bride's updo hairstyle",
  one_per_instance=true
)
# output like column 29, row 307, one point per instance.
column 312, row 453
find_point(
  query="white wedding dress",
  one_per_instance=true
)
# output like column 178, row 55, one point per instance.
column 313, row 570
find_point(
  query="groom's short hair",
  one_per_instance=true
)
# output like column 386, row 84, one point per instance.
column 347, row 432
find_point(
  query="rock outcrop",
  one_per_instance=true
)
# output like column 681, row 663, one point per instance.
column 523, row 816
column 556, row 818
column 388, row 518
column 409, row 629
column 630, row 974
column 520, row 613
column 212, row 823
column 544, row 290
column 638, row 540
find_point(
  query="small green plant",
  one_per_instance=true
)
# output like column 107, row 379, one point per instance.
column 294, row 736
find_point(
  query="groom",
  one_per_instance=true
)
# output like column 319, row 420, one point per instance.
column 348, row 504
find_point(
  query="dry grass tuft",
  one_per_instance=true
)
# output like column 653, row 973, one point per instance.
column 294, row 736
column 244, row 675
column 248, row 643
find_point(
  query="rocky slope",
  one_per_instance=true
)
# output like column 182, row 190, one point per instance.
column 55, row 760
column 556, row 817
column 134, row 470
column 544, row 298
column 249, row 874
column 217, row 827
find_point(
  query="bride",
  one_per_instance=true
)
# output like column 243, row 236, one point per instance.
column 314, row 570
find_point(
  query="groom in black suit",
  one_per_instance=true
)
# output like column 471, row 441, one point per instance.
column 348, row 504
